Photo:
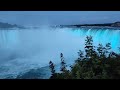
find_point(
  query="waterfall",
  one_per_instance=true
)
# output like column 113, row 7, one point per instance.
column 8, row 38
column 21, row 50
column 102, row 36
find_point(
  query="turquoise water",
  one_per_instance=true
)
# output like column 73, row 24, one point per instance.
column 22, row 50
column 102, row 36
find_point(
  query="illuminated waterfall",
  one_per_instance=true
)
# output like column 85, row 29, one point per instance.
column 21, row 50
column 8, row 38
column 102, row 36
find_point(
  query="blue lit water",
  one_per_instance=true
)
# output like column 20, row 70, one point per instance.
column 102, row 36
column 22, row 50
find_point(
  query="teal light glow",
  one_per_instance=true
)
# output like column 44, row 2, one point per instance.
column 21, row 50
column 102, row 36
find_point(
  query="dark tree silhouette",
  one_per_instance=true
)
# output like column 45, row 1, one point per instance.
column 63, row 64
column 95, row 63
column 52, row 67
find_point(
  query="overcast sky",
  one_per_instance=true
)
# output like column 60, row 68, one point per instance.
column 58, row 17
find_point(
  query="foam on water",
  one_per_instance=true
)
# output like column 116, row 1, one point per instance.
column 21, row 50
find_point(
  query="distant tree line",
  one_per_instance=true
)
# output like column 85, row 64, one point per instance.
column 7, row 25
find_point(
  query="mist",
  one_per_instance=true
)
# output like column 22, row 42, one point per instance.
column 22, row 50
column 25, row 49
column 31, row 48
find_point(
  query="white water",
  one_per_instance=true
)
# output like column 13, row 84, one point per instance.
column 21, row 50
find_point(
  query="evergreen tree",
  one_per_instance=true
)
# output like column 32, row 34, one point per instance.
column 95, row 64
column 52, row 67
column 63, row 64
column 89, row 48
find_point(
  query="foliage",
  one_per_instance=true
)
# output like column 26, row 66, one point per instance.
column 52, row 67
column 94, row 63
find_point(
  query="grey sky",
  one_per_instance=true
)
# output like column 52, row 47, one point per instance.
column 58, row 17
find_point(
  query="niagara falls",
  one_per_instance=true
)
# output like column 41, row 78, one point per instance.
column 30, row 49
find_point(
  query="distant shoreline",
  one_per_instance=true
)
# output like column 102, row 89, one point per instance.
column 86, row 25
column 115, row 25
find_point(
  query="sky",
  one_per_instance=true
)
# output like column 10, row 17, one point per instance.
column 37, row 18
